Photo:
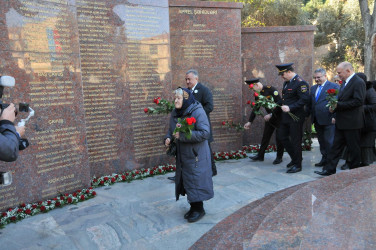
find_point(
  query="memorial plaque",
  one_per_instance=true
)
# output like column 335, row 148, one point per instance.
column 41, row 51
column 206, row 36
column 262, row 49
column 88, row 69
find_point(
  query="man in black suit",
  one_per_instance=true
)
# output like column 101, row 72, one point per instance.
column 322, row 119
column 349, row 119
column 295, row 95
column 203, row 95
column 272, row 119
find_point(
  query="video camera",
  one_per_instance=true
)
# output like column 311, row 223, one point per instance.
column 9, row 81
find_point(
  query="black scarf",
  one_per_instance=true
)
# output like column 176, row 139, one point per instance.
column 188, row 99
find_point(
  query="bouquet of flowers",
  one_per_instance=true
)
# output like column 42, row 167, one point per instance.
column 185, row 126
column 268, row 103
column 331, row 96
column 231, row 124
column 163, row 107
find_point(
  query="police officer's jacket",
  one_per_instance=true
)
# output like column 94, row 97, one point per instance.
column 295, row 94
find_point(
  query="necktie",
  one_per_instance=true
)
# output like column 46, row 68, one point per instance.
column 342, row 85
column 318, row 92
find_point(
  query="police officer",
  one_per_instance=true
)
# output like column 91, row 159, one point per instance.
column 295, row 95
column 272, row 119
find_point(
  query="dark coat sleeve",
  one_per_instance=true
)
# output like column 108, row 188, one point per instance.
column 9, row 141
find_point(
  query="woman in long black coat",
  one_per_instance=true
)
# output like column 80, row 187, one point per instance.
column 193, row 161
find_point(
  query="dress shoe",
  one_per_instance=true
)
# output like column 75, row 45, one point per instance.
column 345, row 166
column 324, row 173
column 290, row 164
column 257, row 158
column 320, row 164
column 171, row 178
column 294, row 169
column 277, row 161
column 195, row 216
column 187, row 214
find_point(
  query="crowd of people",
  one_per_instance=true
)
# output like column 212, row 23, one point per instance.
column 346, row 130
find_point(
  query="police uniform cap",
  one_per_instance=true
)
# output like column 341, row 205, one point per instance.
column 284, row 68
column 253, row 80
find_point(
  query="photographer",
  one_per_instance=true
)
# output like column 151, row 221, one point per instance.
column 9, row 134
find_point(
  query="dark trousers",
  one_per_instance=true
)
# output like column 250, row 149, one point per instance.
column 350, row 138
column 268, row 132
column 325, row 136
column 290, row 135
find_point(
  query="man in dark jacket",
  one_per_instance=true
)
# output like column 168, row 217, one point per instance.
column 295, row 96
column 9, row 135
column 322, row 119
column 272, row 119
column 349, row 119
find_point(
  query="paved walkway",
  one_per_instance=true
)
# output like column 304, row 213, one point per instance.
column 143, row 214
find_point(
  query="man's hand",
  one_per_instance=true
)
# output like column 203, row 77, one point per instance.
column 20, row 130
column 285, row 108
column 167, row 142
column 333, row 120
column 247, row 125
column 9, row 113
column 267, row 117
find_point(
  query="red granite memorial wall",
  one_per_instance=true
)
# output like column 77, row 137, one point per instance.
column 206, row 36
column 262, row 49
column 88, row 69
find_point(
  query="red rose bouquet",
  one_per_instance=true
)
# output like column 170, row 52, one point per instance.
column 331, row 96
column 185, row 126
column 268, row 103
column 163, row 107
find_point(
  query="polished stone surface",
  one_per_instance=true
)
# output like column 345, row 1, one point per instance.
column 144, row 214
column 207, row 36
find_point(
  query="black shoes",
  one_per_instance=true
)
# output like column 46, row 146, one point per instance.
column 345, row 166
column 320, row 164
column 256, row 158
column 324, row 173
column 294, row 169
column 195, row 215
column 171, row 178
column 187, row 214
column 277, row 161
column 290, row 164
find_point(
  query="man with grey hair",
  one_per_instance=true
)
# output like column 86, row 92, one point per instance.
column 349, row 119
column 322, row 119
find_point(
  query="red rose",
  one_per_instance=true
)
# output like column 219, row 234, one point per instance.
column 331, row 91
column 69, row 200
column 42, row 208
column 106, row 178
column 253, row 104
column 146, row 110
column 82, row 197
column 156, row 100
column 248, row 102
column 113, row 180
column 223, row 123
column 251, row 86
column 9, row 209
column 4, row 214
column 23, row 205
column 340, row 82
column 27, row 211
column 137, row 172
column 194, row 120
column 87, row 191
column 58, row 204
column 19, row 210
column 256, row 94
column 123, row 177
column 101, row 182
column 74, row 194
column 34, row 206
column 126, row 174
column 94, row 193
column 13, row 218
column 48, row 202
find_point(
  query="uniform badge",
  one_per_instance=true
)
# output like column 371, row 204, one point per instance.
column 275, row 93
column 303, row 88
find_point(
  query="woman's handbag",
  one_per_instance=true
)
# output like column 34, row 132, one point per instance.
column 171, row 150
